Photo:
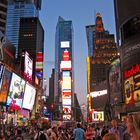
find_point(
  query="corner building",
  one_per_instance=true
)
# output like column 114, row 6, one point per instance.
column 128, row 32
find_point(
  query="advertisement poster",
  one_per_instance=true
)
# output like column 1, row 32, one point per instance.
column 5, row 85
column 29, row 97
column 66, row 117
column 16, row 91
column 115, row 82
column 67, row 110
column 132, row 84
column 1, row 73
column 28, row 69
column 129, row 90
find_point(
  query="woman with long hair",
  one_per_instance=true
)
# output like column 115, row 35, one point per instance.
column 133, row 126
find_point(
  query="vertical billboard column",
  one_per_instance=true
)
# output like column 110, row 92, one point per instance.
column 66, row 87
column 88, row 88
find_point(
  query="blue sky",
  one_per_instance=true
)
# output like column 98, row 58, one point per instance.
column 82, row 13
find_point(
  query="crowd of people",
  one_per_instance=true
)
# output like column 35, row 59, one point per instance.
column 128, row 129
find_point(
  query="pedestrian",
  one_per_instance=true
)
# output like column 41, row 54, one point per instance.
column 18, row 135
column 133, row 126
column 111, row 136
column 116, row 129
column 41, row 135
column 79, row 133
column 89, row 133
column 2, row 135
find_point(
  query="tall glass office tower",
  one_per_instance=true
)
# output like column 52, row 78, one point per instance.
column 90, row 32
column 16, row 10
column 64, row 71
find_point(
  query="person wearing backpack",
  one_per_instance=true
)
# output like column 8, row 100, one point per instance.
column 41, row 135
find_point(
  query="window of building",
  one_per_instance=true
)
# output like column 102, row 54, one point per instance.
column 131, row 28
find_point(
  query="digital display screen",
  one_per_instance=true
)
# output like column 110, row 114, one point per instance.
column 29, row 97
column 16, row 91
column 5, row 82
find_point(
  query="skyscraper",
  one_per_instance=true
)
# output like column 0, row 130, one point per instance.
column 90, row 31
column 104, row 52
column 64, row 70
column 128, row 33
column 16, row 10
column 31, row 39
column 3, row 14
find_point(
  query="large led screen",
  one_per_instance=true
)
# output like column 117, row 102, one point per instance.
column 66, row 117
column 65, row 65
column 65, row 74
column 66, row 55
column 98, row 116
column 66, row 101
column 132, row 84
column 66, row 83
column 67, row 110
column 64, row 44
column 28, row 69
column 16, row 91
column 115, row 82
column 66, row 94
column 5, row 86
column 29, row 97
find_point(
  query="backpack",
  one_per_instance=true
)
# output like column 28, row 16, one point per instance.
column 42, row 136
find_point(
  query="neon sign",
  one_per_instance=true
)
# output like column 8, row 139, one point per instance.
column 134, row 70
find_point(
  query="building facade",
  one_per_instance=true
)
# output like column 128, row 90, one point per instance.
column 31, row 39
column 64, row 70
column 3, row 15
column 105, row 51
column 16, row 10
column 128, row 33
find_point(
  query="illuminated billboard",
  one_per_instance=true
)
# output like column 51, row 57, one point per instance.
column 39, row 65
column 66, row 117
column 65, row 65
column 132, row 85
column 66, row 101
column 5, row 82
column 28, row 67
column 66, row 83
column 98, row 93
column 29, row 97
column 16, row 91
column 115, row 82
column 66, row 94
column 66, row 55
column 98, row 116
column 66, row 74
column 66, row 109
column 64, row 44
